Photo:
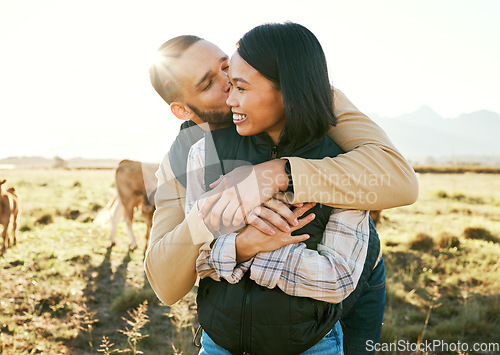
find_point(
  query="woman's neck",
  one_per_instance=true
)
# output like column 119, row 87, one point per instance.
column 275, row 136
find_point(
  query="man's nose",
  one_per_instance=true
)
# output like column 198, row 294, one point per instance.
column 225, row 81
column 227, row 86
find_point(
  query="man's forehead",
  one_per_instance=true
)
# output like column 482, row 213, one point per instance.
column 204, row 47
column 200, row 56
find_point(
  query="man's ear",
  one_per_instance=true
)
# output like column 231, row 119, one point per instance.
column 181, row 111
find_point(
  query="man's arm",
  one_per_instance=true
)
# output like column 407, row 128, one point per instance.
column 370, row 175
column 175, row 240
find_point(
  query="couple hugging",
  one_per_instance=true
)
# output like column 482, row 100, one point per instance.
column 261, row 197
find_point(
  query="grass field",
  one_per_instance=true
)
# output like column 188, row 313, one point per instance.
column 442, row 257
column 62, row 289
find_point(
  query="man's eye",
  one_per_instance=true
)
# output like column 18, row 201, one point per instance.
column 240, row 89
column 208, row 86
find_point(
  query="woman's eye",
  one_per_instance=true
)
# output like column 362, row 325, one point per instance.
column 240, row 89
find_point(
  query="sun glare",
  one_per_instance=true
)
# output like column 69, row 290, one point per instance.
column 155, row 58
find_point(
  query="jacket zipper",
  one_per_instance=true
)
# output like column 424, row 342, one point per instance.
column 246, row 312
column 245, row 320
column 274, row 152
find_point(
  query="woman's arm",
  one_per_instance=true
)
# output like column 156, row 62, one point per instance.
column 329, row 274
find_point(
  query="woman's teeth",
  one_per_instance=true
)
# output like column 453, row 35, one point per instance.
column 238, row 117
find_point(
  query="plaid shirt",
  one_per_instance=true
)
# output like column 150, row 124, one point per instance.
column 329, row 274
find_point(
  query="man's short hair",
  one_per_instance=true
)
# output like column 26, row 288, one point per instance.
column 163, row 79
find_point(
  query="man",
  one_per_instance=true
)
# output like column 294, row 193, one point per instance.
column 192, row 79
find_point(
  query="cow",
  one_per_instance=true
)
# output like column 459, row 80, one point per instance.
column 135, row 187
column 8, row 212
column 375, row 215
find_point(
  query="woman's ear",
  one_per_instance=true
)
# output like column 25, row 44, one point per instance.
column 181, row 111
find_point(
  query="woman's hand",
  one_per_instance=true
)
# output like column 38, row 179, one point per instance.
column 274, row 214
column 252, row 241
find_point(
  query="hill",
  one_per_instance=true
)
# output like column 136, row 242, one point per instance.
column 424, row 135
column 41, row 162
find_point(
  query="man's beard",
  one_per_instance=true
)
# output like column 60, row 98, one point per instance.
column 215, row 118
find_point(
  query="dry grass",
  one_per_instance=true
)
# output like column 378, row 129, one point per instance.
column 478, row 169
column 62, row 291
column 442, row 259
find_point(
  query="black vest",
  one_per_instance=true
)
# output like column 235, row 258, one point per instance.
column 189, row 134
column 246, row 317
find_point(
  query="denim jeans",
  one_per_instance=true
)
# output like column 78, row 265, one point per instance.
column 331, row 344
column 363, row 321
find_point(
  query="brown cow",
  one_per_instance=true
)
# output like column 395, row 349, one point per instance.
column 8, row 211
column 135, row 186
column 375, row 215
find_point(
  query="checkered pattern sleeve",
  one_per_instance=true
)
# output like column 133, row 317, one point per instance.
column 329, row 274
column 195, row 186
column 220, row 261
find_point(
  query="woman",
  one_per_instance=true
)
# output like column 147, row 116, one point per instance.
column 282, row 104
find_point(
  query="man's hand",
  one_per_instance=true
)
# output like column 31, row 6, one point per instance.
column 237, row 194
column 252, row 241
column 274, row 214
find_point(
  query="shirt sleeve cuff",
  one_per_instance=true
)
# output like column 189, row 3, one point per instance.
column 223, row 259
column 293, row 196
column 197, row 228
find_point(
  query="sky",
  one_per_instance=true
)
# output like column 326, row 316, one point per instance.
column 74, row 74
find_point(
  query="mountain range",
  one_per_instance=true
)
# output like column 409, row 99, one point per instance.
column 423, row 136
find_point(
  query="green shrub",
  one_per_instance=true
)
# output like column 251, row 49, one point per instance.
column 459, row 196
column 442, row 194
column 132, row 298
column 96, row 207
column 45, row 219
column 449, row 241
column 391, row 243
column 73, row 214
column 25, row 228
column 480, row 234
column 422, row 242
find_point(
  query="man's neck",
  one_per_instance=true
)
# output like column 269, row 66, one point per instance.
column 219, row 125
column 213, row 126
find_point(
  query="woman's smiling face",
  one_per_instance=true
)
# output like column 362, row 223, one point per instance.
column 256, row 104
